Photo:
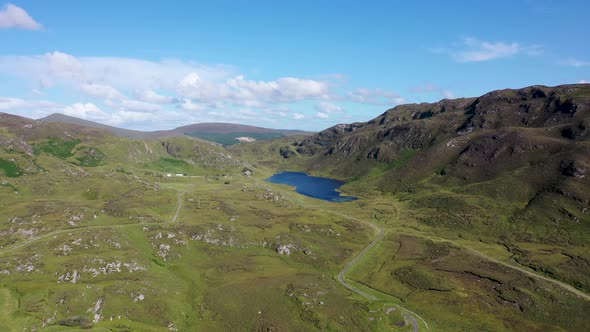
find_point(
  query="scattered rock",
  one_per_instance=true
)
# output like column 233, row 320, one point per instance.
column 284, row 249
column 574, row 169
column 79, row 321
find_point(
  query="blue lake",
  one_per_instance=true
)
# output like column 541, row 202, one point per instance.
column 312, row 186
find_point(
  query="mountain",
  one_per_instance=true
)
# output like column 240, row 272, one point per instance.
column 458, row 127
column 223, row 133
column 473, row 214
column 62, row 118
column 510, row 167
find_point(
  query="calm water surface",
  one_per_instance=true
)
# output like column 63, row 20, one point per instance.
column 312, row 186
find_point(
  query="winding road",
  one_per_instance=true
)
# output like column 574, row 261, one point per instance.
column 531, row 273
column 342, row 273
column 368, row 296
column 407, row 314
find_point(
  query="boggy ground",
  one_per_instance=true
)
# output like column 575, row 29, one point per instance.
column 115, row 258
column 130, row 250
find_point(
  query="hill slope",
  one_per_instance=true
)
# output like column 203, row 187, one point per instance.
column 449, row 220
column 511, row 167
column 223, row 133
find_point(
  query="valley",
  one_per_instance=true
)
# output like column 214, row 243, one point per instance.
column 472, row 214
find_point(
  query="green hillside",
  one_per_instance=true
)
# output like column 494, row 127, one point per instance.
column 472, row 215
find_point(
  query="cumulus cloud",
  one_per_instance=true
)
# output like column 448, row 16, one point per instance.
column 100, row 91
column 188, row 105
column 583, row 82
column 277, row 112
column 122, row 73
column 139, row 106
column 87, row 111
column 112, row 78
column 12, row 16
column 321, row 115
column 154, row 93
column 152, row 96
column 13, row 104
column 130, row 117
column 243, row 92
column 475, row 50
column 429, row 87
column 327, row 107
column 375, row 96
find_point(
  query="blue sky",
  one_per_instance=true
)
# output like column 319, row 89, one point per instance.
column 304, row 64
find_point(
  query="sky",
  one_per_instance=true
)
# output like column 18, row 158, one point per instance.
column 150, row 65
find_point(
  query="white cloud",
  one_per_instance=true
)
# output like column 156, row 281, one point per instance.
column 121, row 73
column 12, row 16
column 375, row 96
column 29, row 108
column 176, row 92
column 483, row 51
column 113, row 78
column 429, row 87
column 188, row 105
column 100, row 91
column 140, row 106
column 583, row 82
column 131, row 117
column 447, row 94
column 152, row 96
column 277, row 112
column 327, row 107
column 14, row 104
column 573, row 62
column 87, row 111
column 242, row 92
column 475, row 50
column 321, row 115
column 58, row 65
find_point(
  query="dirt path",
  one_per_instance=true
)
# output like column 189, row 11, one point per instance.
column 530, row 273
column 74, row 230
column 408, row 314
column 342, row 281
column 568, row 287
column 342, row 273
column 178, row 207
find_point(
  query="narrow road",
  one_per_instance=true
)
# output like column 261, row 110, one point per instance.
column 342, row 273
column 408, row 314
column 530, row 273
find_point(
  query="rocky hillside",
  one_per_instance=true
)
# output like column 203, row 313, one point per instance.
column 558, row 114
column 510, row 167
column 31, row 146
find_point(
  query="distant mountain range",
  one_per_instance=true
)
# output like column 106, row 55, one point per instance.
column 223, row 133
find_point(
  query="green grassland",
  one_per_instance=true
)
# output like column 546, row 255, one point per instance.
column 95, row 235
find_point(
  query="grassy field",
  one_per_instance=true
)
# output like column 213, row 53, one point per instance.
column 94, row 234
